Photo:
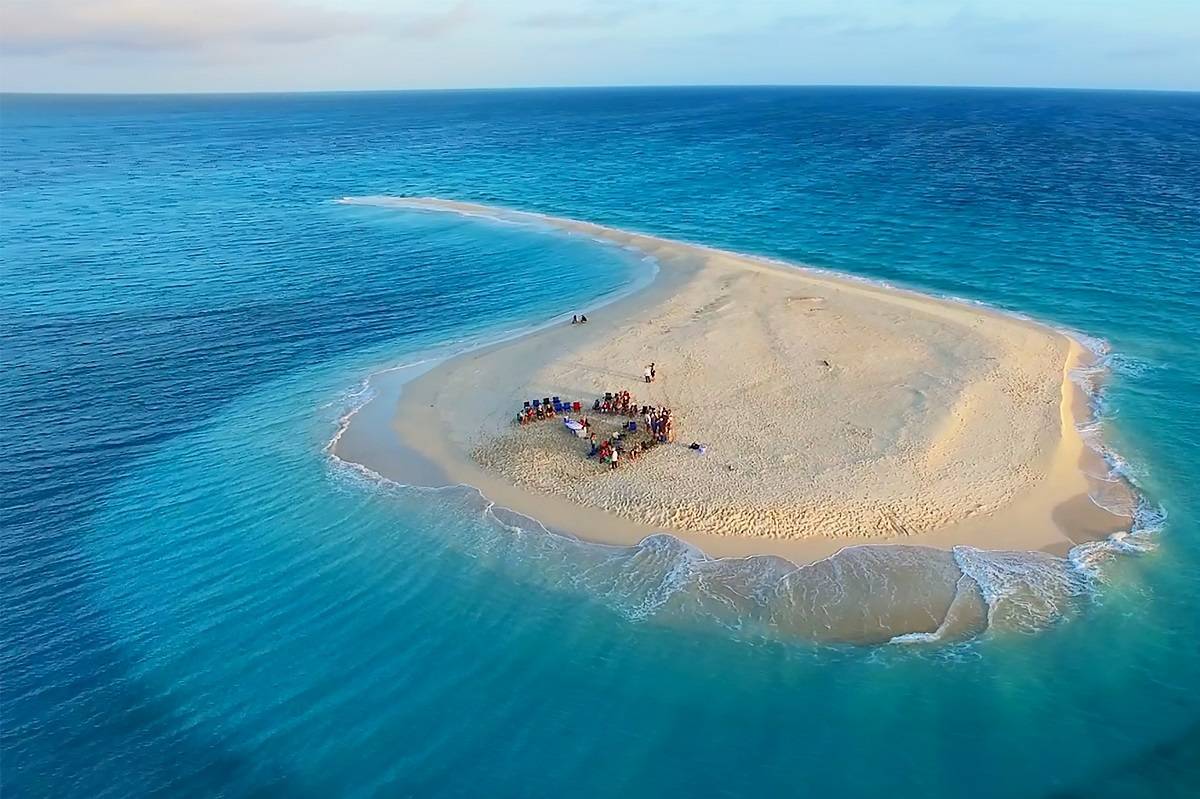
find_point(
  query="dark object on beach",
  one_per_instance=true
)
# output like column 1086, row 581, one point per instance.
column 574, row 319
column 583, row 320
column 824, row 363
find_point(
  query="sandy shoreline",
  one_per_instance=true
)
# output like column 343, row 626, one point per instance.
column 836, row 413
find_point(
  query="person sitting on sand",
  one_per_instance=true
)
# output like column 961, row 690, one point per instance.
column 574, row 319
column 583, row 319
column 594, row 449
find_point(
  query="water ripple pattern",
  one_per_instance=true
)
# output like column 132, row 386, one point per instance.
column 198, row 601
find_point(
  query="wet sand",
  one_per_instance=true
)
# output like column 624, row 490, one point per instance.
column 835, row 412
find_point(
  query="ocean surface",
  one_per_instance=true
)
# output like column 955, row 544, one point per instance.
column 199, row 600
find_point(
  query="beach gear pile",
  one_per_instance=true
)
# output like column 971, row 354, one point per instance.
column 647, row 425
column 546, row 408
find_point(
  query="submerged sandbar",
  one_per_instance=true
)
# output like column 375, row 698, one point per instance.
column 834, row 411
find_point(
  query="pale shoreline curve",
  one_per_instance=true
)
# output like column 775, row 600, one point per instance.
column 836, row 413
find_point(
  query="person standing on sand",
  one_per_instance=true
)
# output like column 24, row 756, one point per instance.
column 649, row 373
column 653, row 374
column 613, row 458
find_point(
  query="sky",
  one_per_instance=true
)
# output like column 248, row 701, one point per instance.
column 302, row 45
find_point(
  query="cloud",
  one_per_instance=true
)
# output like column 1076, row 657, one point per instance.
column 553, row 19
column 998, row 35
column 600, row 16
column 1157, row 47
column 435, row 25
column 47, row 26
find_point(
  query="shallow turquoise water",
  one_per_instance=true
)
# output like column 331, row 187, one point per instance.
column 197, row 601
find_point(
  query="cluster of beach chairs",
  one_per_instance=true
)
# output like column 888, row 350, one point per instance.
column 647, row 425
column 547, row 408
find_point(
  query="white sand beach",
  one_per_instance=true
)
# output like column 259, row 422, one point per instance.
column 833, row 411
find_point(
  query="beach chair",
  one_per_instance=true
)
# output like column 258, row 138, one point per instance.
column 536, row 404
column 557, row 400
column 557, row 406
column 526, row 404
column 576, row 406
column 546, row 401
column 633, row 427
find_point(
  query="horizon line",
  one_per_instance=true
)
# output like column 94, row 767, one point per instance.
column 590, row 87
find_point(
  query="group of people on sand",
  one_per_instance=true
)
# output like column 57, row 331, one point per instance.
column 579, row 319
column 529, row 414
column 627, row 442
column 610, row 450
column 657, row 420
column 620, row 402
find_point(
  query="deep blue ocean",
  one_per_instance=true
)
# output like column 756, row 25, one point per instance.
column 197, row 600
